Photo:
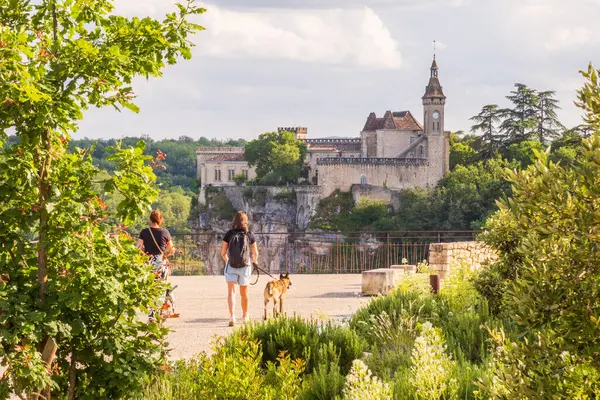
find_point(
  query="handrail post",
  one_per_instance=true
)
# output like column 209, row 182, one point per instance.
column 387, row 240
column 184, row 257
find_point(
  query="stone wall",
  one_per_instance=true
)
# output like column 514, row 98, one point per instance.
column 438, row 154
column 444, row 256
column 307, row 202
column 390, row 143
column 371, row 192
column 396, row 175
column 369, row 144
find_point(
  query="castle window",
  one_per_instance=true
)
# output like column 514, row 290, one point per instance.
column 420, row 151
column 363, row 180
column 231, row 174
column 245, row 173
column 218, row 174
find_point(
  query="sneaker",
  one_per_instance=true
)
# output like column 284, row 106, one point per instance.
column 246, row 319
column 232, row 321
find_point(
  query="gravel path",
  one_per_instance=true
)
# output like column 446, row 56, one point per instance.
column 201, row 302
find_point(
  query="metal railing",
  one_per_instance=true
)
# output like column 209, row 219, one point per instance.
column 315, row 252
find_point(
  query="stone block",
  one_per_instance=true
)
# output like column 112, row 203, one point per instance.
column 380, row 281
column 409, row 269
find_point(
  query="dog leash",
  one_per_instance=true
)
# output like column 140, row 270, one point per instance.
column 258, row 271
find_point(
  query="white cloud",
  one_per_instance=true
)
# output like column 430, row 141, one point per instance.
column 570, row 38
column 348, row 36
column 338, row 36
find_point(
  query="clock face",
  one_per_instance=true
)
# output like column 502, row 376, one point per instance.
column 436, row 115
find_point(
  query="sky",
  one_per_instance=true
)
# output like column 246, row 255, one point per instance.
column 326, row 64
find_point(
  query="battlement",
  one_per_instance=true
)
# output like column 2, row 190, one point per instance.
column 216, row 150
column 328, row 141
column 372, row 161
column 308, row 189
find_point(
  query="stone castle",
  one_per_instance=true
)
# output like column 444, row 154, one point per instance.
column 395, row 152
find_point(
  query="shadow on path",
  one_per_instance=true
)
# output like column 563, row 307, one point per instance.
column 335, row 295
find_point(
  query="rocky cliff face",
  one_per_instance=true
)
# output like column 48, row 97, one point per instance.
column 280, row 217
column 272, row 211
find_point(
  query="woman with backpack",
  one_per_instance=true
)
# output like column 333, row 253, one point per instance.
column 240, row 252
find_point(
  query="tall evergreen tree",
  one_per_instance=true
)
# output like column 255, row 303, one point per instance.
column 549, row 127
column 520, row 122
column 583, row 130
column 486, row 122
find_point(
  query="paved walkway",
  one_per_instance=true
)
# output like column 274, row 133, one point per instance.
column 201, row 302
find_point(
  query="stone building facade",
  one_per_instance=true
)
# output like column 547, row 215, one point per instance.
column 217, row 166
column 395, row 151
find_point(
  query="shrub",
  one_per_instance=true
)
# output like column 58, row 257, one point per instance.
column 361, row 385
column 248, row 193
column 431, row 372
column 397, row 305
column 325, row 383
column 550, row 266
column 368, row 211
column 462, row 313
column 309, row 340
column 523, row 369
column 222, row 206
column 286, row 197
column 239, row 179
column 230, row 373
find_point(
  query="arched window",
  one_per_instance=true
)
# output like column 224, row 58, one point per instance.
column 363, row 180
column 421, row 151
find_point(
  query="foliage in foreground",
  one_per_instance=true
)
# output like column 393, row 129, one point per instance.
column 418, row 347
column 229, row 374
column 547, row 277
column 316, row 343
column 66, row 274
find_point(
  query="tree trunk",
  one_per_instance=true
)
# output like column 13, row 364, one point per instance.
column 44, row 194
column 72, row 376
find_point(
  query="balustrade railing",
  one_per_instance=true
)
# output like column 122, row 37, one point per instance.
column 315, row 252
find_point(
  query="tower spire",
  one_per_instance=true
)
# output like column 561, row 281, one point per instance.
column 434, row 50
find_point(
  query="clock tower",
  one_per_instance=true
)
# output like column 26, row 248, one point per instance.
column 438, row 146
column 433, row 104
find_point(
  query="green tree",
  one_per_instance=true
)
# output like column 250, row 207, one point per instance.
column 567, row 147
column 277, row 156
column 67, row 275
column 465, row 197
column 520, row 122
column 547, row 275
column 462, row 151
column 549, row 127
column 589, row 101
column 485, row 122
column 524, row 152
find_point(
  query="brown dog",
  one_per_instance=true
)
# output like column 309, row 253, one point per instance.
column 276, row 290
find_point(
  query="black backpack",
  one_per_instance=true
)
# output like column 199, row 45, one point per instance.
column 239, row 252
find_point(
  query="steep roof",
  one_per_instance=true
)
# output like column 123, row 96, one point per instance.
column 227, row 157
column 434, row 89
column 399, row 120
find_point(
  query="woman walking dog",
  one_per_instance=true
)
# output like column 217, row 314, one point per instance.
column 240, row 252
